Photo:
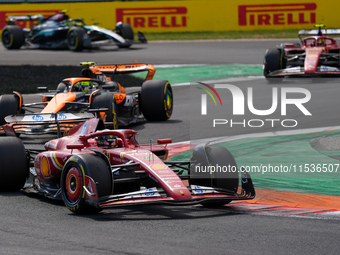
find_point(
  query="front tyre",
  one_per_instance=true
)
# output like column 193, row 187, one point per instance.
column 13, row 164
column 73, row 182
column 13, row 37
column 9, row 105
column 225, row 177
column 125, row 31
column 156, row 100
column 75, row 38
column 273, row 61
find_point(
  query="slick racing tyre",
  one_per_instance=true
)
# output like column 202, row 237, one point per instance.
column 225, row 176
column 9, row 105
column 75, row 38
column 106, row 100
column 13, row 164
column 156, row 100
column 125, row 31
column 13, row 37
column 273, row 60
column 73, row 181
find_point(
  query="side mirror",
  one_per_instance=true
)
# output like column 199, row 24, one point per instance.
column 43, row 89
column 75, row 146
column 164, row 141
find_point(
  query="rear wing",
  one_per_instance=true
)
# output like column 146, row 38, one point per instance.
column 12, row 19
column 333, row 31
column 318, row 32
column 120, row 69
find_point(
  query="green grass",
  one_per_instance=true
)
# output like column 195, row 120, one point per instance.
column 263, row 34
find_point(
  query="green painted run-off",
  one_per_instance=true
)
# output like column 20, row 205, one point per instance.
column 193, row 73
column 311, row 171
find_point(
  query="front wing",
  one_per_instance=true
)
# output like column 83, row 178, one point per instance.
column 299, row 71
column 47, row 123
column 152, row 196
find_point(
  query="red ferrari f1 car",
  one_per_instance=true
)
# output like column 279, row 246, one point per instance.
column 94, row 168
column 68, row 105
column 316, row 55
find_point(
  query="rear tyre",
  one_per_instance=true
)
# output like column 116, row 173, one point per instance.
column 273, row 60
column 9, row 105
column 13, row 37
column 73, row 181
column 13, row 164
column 75, row 38
column 156, row 100
column 225, row 176
column 106, row 100
column 125, row 31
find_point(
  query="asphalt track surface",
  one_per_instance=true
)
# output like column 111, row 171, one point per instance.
column 31, row 224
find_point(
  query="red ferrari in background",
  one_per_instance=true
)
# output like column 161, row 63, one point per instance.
column 95, row 168
column 317, row 54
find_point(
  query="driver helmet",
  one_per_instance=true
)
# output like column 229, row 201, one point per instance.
column 59, row 17
column 83, row 86
column 106, row 141
column 321, row 42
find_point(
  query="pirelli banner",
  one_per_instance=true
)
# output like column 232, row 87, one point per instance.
column 194, row 15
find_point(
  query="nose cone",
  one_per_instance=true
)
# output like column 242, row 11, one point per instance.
column 181, row 193
column 312, row 59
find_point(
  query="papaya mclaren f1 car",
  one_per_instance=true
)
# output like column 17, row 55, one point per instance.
column 60, row 32
column 69, row 104
column 94, row 168
column 317, row 55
